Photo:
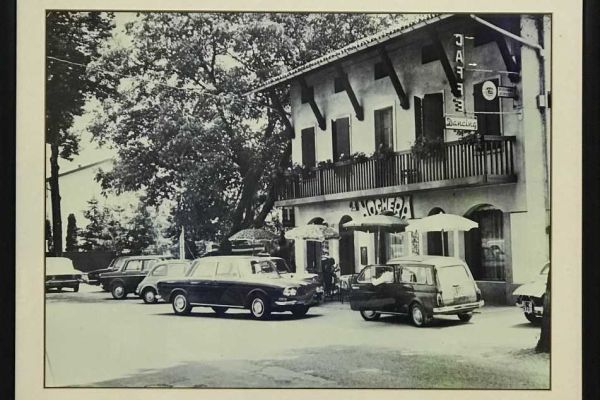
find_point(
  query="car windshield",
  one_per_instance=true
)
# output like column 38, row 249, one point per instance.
column 281, row 265
column 116, row 263
column 265, row 267
column 453, row 275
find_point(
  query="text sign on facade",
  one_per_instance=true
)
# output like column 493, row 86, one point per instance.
column 400, row 206
column 459, row 42
column 467, row 124
column 507, row 91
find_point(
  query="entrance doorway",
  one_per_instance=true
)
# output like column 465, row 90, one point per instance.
column 484, row 246
column 347, row 260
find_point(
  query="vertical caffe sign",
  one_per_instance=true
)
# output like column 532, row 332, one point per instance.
column 457, row 122
column 459, row 59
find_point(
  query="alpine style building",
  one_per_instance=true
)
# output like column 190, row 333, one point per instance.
column 447, row 113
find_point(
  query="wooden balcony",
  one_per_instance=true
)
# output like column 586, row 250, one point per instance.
column 487, row 161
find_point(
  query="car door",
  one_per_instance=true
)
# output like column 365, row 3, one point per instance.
column 200, row 284
column 456, row 284
column 227, row 285
column 133, row 274
column 371, row 291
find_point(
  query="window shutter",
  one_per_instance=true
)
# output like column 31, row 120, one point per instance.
column 433, row 116
column 418, row 105
column 308, row 147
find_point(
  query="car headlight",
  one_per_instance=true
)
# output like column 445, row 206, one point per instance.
column 290, row 291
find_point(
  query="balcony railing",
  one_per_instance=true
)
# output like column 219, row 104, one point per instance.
column 487, row 157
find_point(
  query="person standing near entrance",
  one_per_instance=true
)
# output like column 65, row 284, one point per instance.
column 328, row 265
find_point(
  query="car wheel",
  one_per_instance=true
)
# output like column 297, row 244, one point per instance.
column 534, row 319
column 118, row 291
column 220, row 310
column 418, row 316
column 149, row 296
column 181, row 305
column 465, row 317
column 370, row 315
column 260, row 307
column 300, row 311
column 76, row 288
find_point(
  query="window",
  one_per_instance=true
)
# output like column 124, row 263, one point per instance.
column 288, row 217
column 338, row 84
column 384, row 132
column 429, row 116
column 306, row 94
column 365, row 276
column 308, row 147
column 485, row 247
column 421, row 275
column 266, row 267
column 134, row 265
column 374, row 272
column 395, row 245
column 160, row 271
column 147, row 264
column 380, row 70
column 177, row 269
column 487, row 124
column 228, row 269
column 340, row 137
column 453, row 275
column 205, row 269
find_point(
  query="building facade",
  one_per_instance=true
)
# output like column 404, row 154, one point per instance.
column 448, row 113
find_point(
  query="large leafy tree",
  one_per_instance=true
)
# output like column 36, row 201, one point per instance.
column 72, row 41
column 184, row 129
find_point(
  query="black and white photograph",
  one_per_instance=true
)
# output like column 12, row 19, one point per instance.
column 239, row 198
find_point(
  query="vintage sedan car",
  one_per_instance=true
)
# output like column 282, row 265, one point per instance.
column 60, row 273
column 420, row 286
column 93, row 277
column 166, row 269
column 129, row 273
column 530, row 296
column 249, row 282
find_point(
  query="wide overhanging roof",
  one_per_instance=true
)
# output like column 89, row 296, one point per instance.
column 353, row 48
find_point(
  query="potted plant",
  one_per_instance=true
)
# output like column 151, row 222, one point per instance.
column 425, row 148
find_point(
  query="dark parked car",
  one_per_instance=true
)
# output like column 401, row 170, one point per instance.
column 420, row 286
column 93, row 277
column 129, row 272
column 60, row 273
column 248, row 282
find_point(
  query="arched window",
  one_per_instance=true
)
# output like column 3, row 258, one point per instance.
column 485, row 246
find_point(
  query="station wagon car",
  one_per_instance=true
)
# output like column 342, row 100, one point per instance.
column 60, row 273
column 530, row 296
column 420, row 286
column 129, row 273
column 245, row 282
column 93, row 277
column 166, row 269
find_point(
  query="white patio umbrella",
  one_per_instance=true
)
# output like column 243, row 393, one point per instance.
column 441, row 223
column 313, row 232
column 377, row 223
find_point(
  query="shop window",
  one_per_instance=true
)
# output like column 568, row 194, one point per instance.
column 395, row 245
column 429, row 116
column 308, row 147
column 340, row 135
column 380, row 71
column 488, row 122
column 384, row 132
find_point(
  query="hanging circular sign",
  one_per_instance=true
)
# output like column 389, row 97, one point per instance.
column 489, row 90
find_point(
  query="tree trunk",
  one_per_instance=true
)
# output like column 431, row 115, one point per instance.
column 543, row 345
column 55, row 201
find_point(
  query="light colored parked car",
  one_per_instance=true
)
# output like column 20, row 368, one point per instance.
column 420, row 286
column 167, row 269
column 530, row 296
column 60, row 273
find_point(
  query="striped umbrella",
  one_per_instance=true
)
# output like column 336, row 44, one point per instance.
column 316, row 233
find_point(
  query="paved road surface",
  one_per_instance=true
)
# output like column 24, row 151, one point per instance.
column 93, row 340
